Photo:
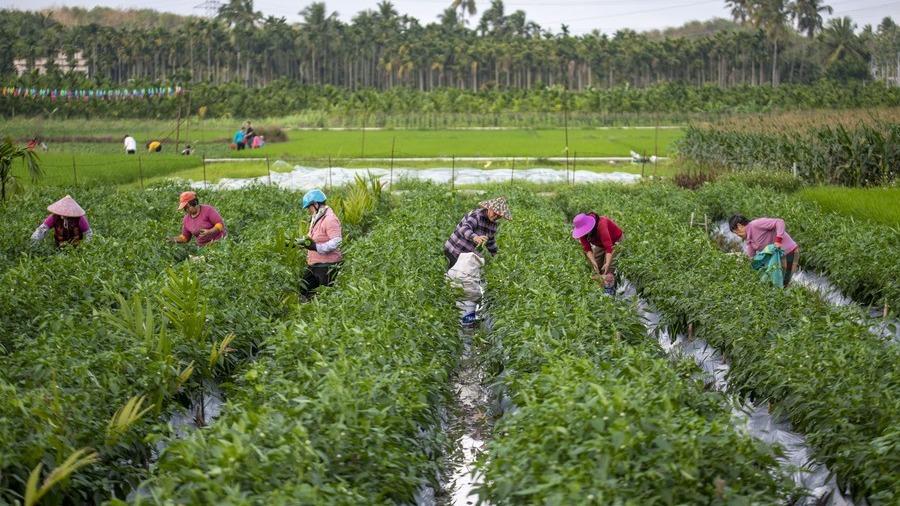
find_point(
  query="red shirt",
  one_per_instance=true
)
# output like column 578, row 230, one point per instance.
column 604, row 235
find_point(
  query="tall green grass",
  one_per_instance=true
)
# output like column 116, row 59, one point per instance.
column 877, row 205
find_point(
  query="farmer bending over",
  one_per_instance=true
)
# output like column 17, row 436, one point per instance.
column 598, row 235
column 477, row 228
column 323, row 260
column 200, row 221
column 761, row 232
column 68, row 222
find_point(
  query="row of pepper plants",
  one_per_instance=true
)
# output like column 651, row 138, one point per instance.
column 104, row 342
column 344, row 404
column 601, row 415
column 819, row 367
column 858, row 257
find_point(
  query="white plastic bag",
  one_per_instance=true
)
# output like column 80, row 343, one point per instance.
column 466, row 275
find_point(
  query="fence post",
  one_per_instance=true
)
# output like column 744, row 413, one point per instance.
column 574, row 161
column 205, row 184
column 453, row 173
column 512, row 172
column 74, row 171
column 393, row 141
column 268, row 170
column 141, row 171
column 329, row 172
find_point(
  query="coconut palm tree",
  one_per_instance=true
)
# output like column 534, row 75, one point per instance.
column 808, row 15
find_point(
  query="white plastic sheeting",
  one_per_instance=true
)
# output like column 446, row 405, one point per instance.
column 304, row 178
column 472, row 403
column 206, row 406
column 757, row 421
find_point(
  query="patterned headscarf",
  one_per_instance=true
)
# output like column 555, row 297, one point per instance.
column 498, row 205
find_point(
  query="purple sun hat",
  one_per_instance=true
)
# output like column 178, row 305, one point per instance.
column 582, row 225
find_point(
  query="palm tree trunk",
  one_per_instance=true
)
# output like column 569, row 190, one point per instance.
column 775, row 62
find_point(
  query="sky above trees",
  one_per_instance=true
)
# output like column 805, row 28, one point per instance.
column 581, row 16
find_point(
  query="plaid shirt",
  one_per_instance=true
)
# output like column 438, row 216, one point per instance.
column 473, row 224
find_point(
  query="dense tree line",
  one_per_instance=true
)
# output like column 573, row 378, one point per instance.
column 770, row 42
column 545, row 106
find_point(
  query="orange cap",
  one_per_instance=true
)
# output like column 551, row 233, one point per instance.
column 185, row 198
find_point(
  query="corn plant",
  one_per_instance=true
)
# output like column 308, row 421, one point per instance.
column 861, row 154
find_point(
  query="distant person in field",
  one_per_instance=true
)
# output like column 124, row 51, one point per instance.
column 249, row 134
column 762, row 232
column 200, row 220
column 598, row 236
column 130, row 144
column 187, row 151
column 68, row 222
column 154, row 147
column 239, row 139
column 258, row 141
column 323, row 260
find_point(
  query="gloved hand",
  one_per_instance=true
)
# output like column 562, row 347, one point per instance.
column 304, row 242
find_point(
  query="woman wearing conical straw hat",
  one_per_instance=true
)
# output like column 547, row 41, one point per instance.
column 68, row 222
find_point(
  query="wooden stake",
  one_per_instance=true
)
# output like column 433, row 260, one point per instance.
column 205, row 184
column 141, row 171
column 393, row 142
column 692, row 219
column 268, row 170
column 178, row 128
column 574, row 162
column 74, row 171
column 453, row 173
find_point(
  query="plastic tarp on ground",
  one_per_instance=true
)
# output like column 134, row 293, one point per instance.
column 303, row 178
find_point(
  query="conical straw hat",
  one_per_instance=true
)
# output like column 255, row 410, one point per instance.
column 67, row 207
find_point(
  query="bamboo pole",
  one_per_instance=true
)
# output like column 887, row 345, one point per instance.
column 74, row 171
column 205, row 184
column 141, row 171
column 268, row 170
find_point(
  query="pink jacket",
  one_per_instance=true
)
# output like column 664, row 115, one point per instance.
column 762, row 232
column 326, row 233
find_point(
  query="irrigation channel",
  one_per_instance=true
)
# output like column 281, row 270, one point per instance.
column 756, row 420
column 879, row 324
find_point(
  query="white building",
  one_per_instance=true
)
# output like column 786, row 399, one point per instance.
column 79, row 64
